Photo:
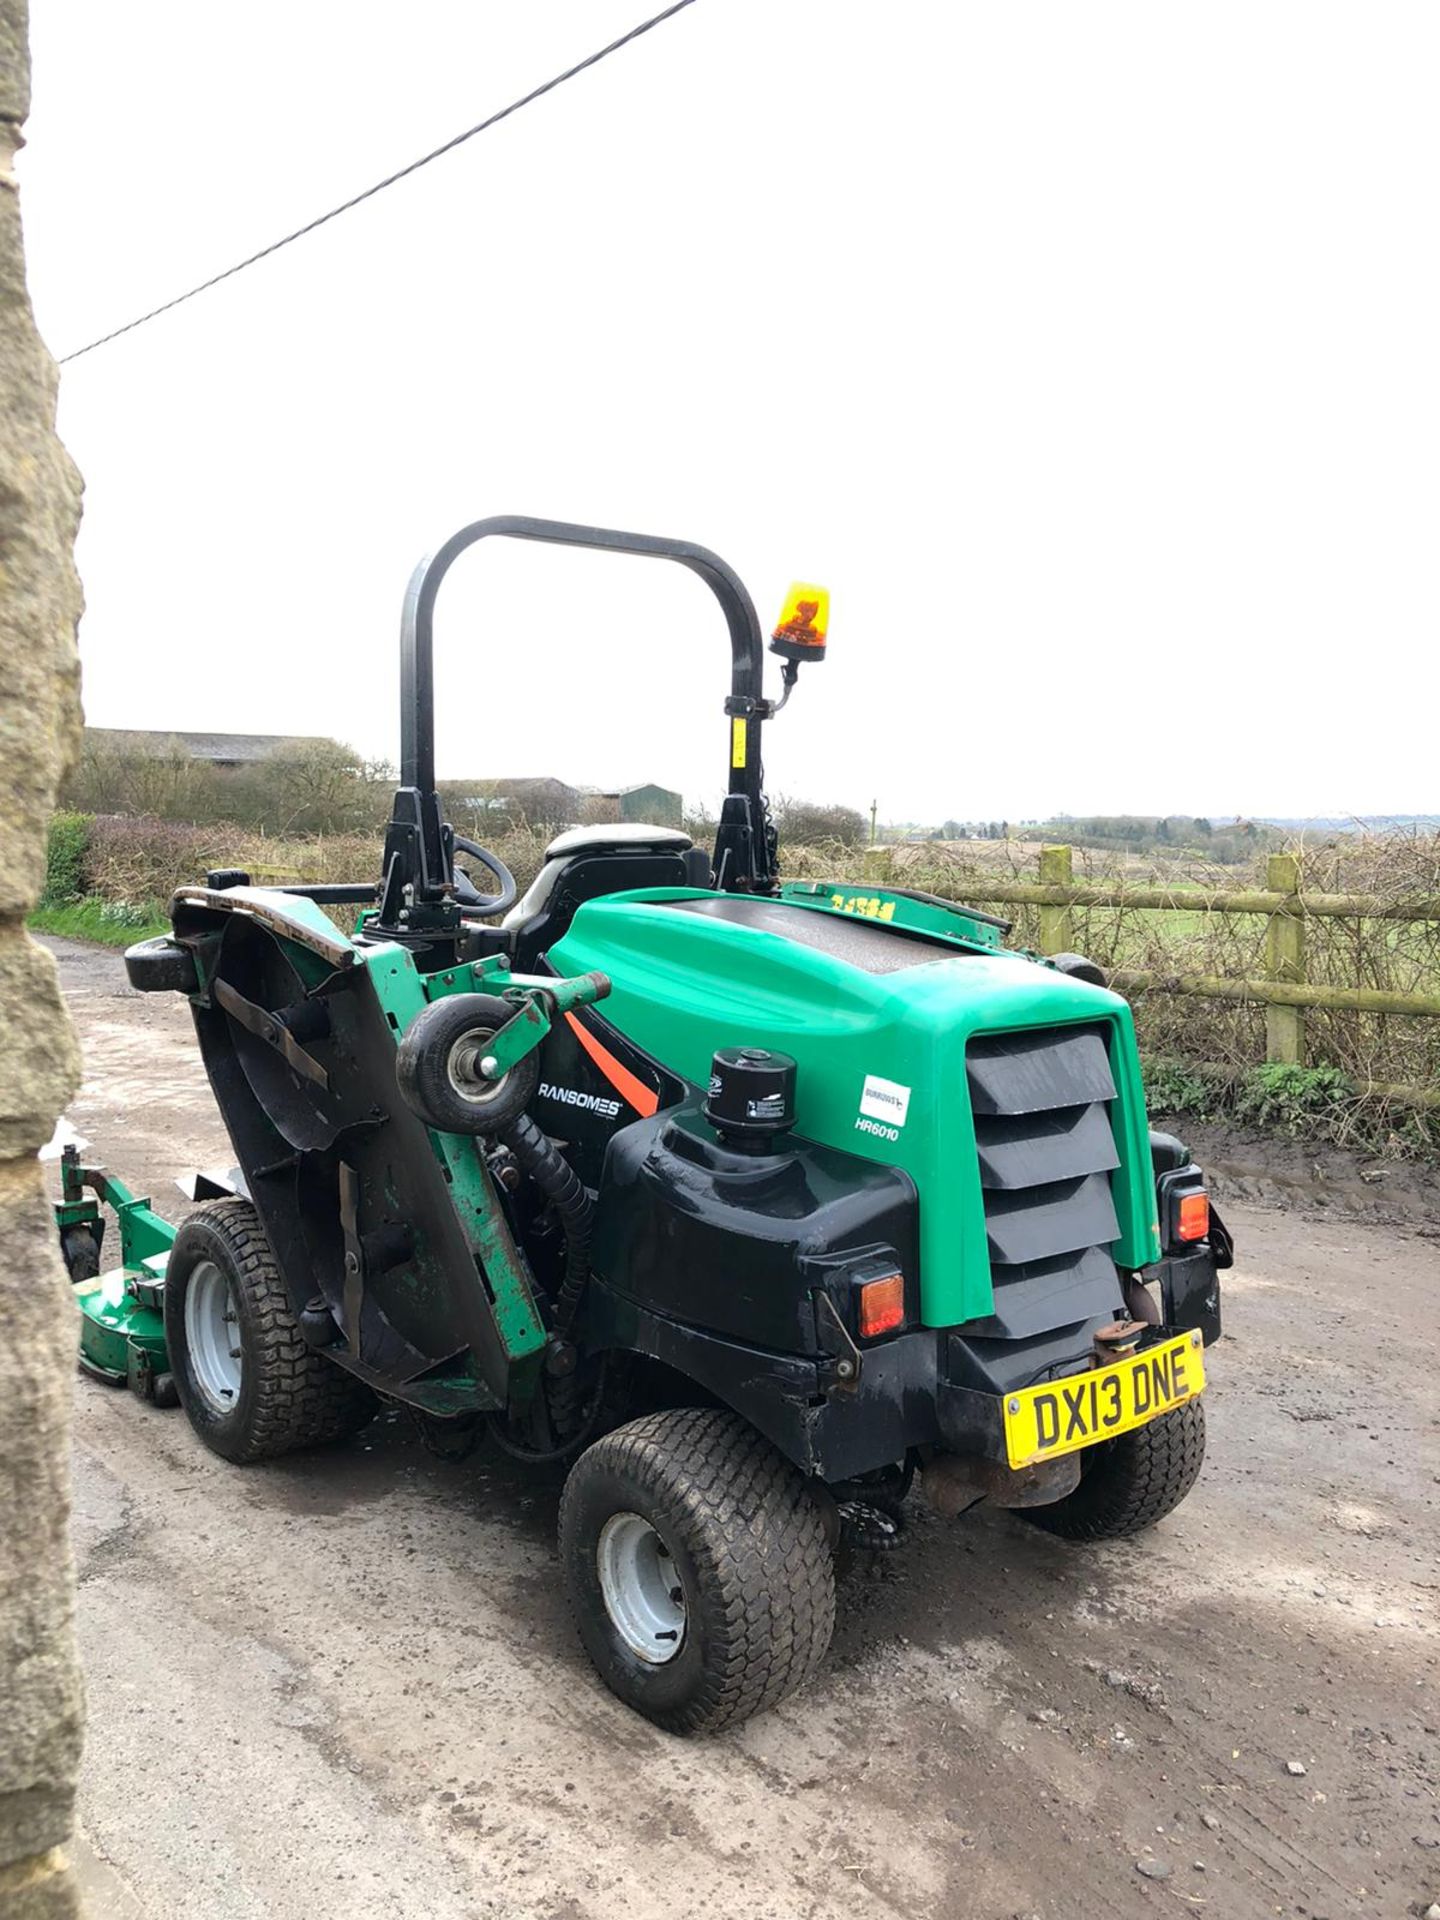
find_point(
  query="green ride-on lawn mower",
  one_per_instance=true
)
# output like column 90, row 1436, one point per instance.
column 751, row 1198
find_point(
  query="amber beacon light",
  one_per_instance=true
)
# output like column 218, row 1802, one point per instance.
column 803, row 622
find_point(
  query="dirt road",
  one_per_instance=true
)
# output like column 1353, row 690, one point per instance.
column 345, row 1684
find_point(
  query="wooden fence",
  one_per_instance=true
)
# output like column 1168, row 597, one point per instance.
column 1284, row 903
column 1283, row 990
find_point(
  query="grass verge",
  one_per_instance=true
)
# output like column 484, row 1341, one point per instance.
column 1296, row 1103
column 107, row 923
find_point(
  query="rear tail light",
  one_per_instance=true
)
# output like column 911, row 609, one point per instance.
column 1192, row 1216
column 881, row 1305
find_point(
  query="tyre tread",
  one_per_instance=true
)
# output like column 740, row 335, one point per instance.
column 302, row 1398
column 1143, row 1476
column 768, row 1563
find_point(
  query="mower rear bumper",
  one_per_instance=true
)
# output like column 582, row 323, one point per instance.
column 938, row 1388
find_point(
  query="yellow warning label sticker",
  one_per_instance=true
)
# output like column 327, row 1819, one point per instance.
column 737, row 741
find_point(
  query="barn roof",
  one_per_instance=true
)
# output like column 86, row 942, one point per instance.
column 236, row 749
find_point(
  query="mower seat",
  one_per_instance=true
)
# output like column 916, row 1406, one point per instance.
column 585, row 862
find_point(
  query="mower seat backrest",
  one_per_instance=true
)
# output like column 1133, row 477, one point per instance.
column 585, row 862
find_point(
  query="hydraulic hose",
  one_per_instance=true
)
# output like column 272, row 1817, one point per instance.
column 563, row 1188
column 537, row 1156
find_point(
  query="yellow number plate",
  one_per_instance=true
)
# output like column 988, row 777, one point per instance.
column 1065, row 1415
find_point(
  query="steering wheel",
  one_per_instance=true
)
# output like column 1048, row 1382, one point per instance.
column 467, row 893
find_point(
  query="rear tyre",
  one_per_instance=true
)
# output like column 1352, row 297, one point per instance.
column 1129, row 1483
column 250, row 1385
column 699, row 1568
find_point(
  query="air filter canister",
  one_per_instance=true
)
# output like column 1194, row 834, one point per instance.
column 752, row 1095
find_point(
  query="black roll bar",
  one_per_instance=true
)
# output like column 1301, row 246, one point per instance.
column 743, row 852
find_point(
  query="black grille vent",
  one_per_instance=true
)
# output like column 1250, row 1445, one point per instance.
column 1042, row 1132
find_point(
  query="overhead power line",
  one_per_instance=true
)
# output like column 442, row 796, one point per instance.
column 591, row 60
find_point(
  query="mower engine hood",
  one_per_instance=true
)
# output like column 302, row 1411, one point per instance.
column 879, row 1020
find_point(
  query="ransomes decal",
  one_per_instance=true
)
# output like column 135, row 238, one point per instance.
column 588, row 1102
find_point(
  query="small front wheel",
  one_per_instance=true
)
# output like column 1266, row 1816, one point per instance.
column 440, row 1066
column 80, row 1250
column 698, row 1566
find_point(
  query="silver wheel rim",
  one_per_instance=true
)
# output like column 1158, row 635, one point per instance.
column 640, row 1585
column 212, row 1334
column 464, row 1071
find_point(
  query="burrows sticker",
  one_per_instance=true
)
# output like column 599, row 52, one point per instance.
column 884, row 1105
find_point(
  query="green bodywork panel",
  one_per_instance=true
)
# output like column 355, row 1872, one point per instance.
column 687, row 983
column 403, row 992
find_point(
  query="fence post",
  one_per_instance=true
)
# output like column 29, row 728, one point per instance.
column 1057, row 926
column 1285, row 960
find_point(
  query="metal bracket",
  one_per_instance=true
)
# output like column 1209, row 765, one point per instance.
column 144, row 1235
column 521, row 1033
column 835, row 1339
column 536, row 1011
column 354, row 1256
column 271, row 1028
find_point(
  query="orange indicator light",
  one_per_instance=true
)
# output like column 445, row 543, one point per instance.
column 882, row 1305
column 1192, row 1217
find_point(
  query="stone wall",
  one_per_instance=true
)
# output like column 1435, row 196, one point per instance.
column 40, row 1703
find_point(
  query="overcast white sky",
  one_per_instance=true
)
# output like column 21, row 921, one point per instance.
column 1089, row 353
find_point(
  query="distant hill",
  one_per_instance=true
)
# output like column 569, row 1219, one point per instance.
column 1357, row 823
column 1225, row 843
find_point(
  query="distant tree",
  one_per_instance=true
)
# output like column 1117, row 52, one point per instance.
column 162, row 778
column 314, row 786
column 805, row 824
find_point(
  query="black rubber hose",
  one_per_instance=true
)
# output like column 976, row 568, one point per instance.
column 563, row 1188
column 566, row 1448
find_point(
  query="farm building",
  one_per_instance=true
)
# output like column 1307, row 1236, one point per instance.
column 537, row 800
column 655, row 806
